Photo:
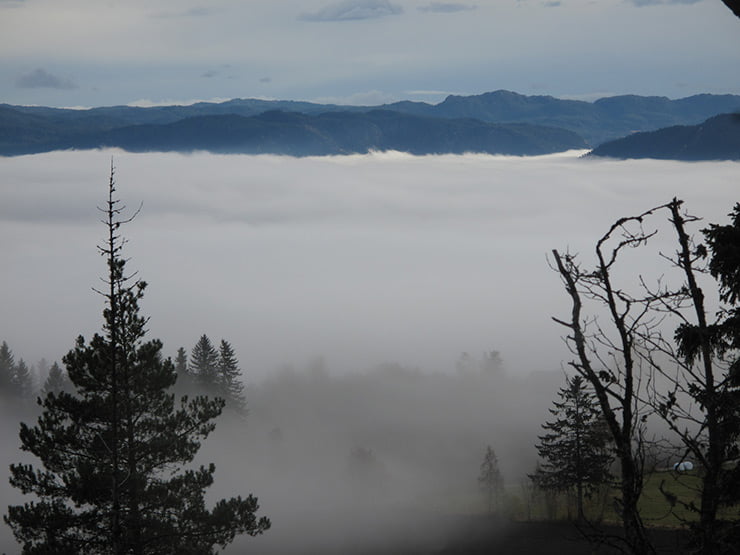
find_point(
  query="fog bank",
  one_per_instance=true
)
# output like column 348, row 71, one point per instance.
column 359, row 259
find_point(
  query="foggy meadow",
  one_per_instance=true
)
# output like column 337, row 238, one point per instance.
column 391, row 314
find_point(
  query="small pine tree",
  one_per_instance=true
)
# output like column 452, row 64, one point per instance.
column 490, row 479
column 117, row 475
column 203, row 366
column 575, row 452
column 230, row 383
column 185, row 380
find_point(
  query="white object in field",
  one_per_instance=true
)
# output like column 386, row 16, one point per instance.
column 683, row 466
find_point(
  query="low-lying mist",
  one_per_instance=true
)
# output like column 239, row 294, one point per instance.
column 360, row 259
column 381, row 269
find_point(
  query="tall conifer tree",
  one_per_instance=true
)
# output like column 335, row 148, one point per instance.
column 113, row 479
column 230, row 379
column 575, row 449
column 203, row 365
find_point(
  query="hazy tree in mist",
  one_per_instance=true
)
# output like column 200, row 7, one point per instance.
column 203, row 365
column 23, row 382
column 575, row 450
column 490, row 479
column 185, row 380
column 7, row 370
column 230, row 383
column 56, row 381
column 117, row 474
column 16, row 379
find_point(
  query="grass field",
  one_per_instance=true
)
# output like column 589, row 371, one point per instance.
column 656, row 508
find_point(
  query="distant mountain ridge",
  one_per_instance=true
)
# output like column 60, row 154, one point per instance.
column 717, row 138
column 496, row 122
column 297, row 134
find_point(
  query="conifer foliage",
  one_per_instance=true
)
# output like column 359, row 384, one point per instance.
column 575, row 449
column 216, row 372
column 203, row 365
column 16, row 380
column 229, row 378
column 116, row 474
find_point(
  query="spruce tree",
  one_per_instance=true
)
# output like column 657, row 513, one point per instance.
column 574, row 451
column 229, row 379
column 116, row 474
column 203, row 365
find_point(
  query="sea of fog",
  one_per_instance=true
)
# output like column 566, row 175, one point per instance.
column 359, row 260
column 341, row 267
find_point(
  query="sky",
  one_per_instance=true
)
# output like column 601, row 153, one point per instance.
column 361, row 260
column 83, row 53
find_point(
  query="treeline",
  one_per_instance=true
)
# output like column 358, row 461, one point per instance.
column 20, row 384
column 208, row 370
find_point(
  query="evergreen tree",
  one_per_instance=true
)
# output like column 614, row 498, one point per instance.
column 711, row 350
column 56, row 381
column 7, row 371
column 575, row 449
column 181, row 363
column 229, row 375
column 23, row 382
column 490, row 479
column 113, row 478
column 185, row 382
column 203, row 365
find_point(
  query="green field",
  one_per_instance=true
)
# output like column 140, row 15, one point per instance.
column 520, row 503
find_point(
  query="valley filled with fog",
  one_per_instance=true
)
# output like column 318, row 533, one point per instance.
column 363, row 296
column 360, row 260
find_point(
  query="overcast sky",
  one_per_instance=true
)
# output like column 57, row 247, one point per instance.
column 93, row 53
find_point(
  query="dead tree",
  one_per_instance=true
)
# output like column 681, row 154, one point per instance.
column 636, row 372
column 700, row 404
column 605, row 355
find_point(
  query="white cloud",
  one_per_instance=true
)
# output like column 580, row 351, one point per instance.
column 640, row 3
column 446, row 7
column 369, row 98
column 350, row 10
column 40, row 78
column 147, row 103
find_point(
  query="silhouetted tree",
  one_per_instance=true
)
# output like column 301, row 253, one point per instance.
column 575, row 449
column 708, row 373
column 490, row 479
column 734, row 5
column 203, row 365
column 698, row 395
column 117, row 473
column 605, row 357
column 230, row 379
